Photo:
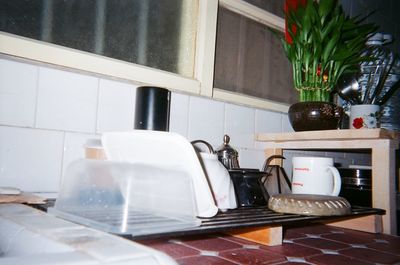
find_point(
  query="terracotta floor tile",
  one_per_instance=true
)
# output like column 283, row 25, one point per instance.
column 314, row 229
column 364, row 238
column 388, row 238
column 335, row 260
column 293, row 250
column 292, row 234
column 252, row 256
column 211, row 243
column 172, row 249
column 392, row 248
column 204, row 260
column 290, row 263
column 240, row 241
column 371, row 255
column 321, row 243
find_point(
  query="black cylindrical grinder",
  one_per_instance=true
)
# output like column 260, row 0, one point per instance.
column 152, row 108
column 356, row 186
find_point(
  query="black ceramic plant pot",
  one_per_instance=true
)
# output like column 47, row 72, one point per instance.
column 315, row 115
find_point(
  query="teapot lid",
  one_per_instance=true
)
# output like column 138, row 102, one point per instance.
column 226, row 150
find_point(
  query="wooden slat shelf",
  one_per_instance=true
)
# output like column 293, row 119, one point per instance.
column 256, row 218
column 381, row 143
column 348, row 134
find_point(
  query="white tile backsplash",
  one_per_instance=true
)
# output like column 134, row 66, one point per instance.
column 286, row 126
column 66, row 101
column 240, row 125
column 63, row 109
column 267, row 122
column 179, row 114
column 206, row 120
column 116, row 107
column 18, row 83
column 251, row 158
column 30, row 159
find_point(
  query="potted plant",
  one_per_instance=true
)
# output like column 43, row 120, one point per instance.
column 322, row 43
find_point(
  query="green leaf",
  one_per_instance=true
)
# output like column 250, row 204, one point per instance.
column 330, row 47
column 325, row 8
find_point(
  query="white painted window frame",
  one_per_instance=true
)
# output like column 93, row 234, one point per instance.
column 201, row 84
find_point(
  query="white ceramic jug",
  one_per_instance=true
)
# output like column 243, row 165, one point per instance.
column 219, row 178
column 220, row 181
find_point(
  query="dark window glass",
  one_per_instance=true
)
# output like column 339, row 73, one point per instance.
column 273, row 6
column 250, row 59
column 146, row 32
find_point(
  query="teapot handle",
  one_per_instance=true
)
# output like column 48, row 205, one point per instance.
column 210, row 148
column 269, row 159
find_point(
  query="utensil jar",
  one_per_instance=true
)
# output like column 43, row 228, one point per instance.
column 364, row 116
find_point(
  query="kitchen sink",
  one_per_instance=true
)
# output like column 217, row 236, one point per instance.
column 30, row 236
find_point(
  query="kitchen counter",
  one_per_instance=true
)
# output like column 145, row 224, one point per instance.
column 318, row 244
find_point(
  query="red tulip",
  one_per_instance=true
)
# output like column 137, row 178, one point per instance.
column 289, row 6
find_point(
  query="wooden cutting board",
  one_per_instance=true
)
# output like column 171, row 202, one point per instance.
column 24, row 197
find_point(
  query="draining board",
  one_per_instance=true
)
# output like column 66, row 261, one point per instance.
column 248, row 217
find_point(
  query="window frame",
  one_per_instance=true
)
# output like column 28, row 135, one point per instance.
column 201, row 84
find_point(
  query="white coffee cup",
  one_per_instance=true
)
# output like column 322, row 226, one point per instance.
column 315, row 175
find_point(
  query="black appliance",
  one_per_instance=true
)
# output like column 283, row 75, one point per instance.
column 249, row 188
column 152, row 108
column 356, row 186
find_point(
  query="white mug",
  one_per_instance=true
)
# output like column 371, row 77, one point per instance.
column 315, row 175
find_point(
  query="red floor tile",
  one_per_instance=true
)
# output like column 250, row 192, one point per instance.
column 252, row 256
column 292, row 234
column 291, row 263
column 393, row 240
column 335, row 260
column 392, row 248
column 293, row 250
column 317, row 245
column 371, row 255
column 172, row 249
column 211, row 243
column 315, row 230
column 364, row 238
column 204, row 260
column 321, row 243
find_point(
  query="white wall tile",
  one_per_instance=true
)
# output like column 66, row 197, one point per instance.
column 206, row 120
column 18, row 83
column 251, row 158
column 74, row 147
column 66, row 101
column 286, row 126
column 240, row 125
column 179, row 114
column 116, row 106
column 30, row 159
column 267, row 122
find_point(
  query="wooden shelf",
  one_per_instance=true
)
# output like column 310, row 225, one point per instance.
column 381, row 142
column 349, row 134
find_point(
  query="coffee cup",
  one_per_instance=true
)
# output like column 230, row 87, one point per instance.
column 315, row 175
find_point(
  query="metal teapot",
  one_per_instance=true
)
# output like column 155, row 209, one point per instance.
column 228, row 155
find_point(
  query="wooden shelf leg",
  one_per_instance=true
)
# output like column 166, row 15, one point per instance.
column 270, row 236
column 383, row 185
column 370, row 224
